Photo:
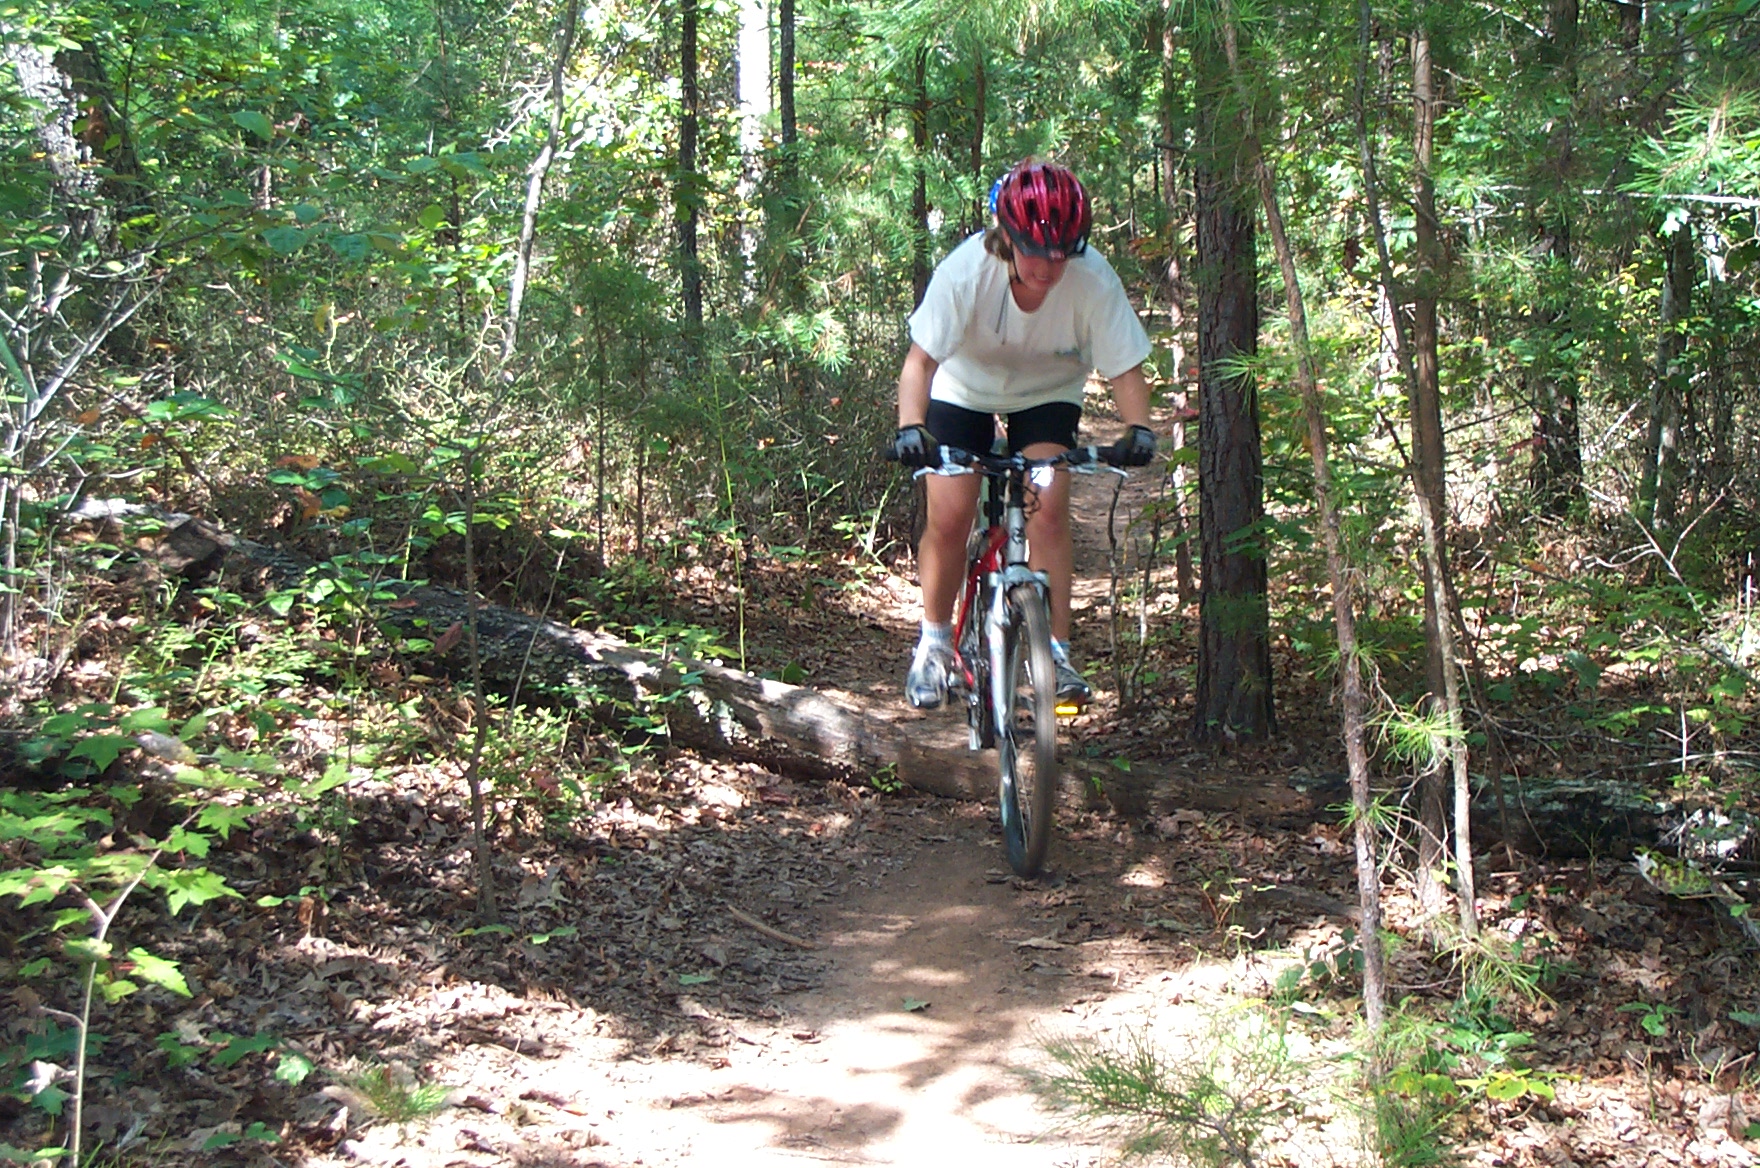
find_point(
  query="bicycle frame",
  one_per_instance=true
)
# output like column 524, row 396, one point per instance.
column 1001, row 563
column 1005, row 666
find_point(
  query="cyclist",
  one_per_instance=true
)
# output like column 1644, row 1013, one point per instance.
column 1013, row 322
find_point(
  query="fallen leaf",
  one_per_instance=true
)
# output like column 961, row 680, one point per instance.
column 449, row 638
column 915, row 1005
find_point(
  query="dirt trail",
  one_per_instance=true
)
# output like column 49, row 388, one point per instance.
column 857, row 1074
column 938, row 978
column 945, row 976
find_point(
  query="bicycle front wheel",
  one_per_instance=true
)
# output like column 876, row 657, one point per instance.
column 1026, row 731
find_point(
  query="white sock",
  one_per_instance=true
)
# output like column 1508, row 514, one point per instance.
column 936, row 634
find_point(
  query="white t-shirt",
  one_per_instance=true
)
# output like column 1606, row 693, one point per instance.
column 995, row 358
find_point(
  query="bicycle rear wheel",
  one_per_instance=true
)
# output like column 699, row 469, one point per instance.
column 1026, row 732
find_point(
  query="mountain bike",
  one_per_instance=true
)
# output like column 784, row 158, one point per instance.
column 1004, row 672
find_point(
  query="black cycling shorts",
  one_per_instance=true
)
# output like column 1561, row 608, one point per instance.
column 975, row 430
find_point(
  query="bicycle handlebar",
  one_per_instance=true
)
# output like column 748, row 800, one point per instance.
column 955, row 458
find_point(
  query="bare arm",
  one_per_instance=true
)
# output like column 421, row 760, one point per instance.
column 913, row 386
column 1130, row 393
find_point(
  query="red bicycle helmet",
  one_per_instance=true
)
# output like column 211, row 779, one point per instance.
column 1044, row 209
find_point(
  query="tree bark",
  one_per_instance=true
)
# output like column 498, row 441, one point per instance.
column 1234, row 695
column 1555, row 476
column 1337, row 569
column 1173, row 118
column 687, row 190
column 1432, row 547
column 1424, row 405
column 785, row 84
column 920, row 189
column 980, row 112
column 1658, row 488
column 73, row 184
column 1631, row 23
column 535, row 175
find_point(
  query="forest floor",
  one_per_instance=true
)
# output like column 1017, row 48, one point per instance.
column 721, row 964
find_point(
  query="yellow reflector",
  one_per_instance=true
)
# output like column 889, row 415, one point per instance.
column 1068, row 710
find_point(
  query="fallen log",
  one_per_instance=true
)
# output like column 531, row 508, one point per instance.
column 823, row 735
column 794, row 730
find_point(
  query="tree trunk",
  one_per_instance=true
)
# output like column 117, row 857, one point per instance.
column 920, row 190
column 1234, row 695
column 687, row 191
column 535, row 175
column 1659, row 486
column 785, row 82
column 1631, row 23
column 980, row 113
column 1555, row 477
column 787, row 166
column 1424, row 404
column 1338, row 572
column 1440, row 630
column 73, row 183
column 753, row 68
column 1173, row 117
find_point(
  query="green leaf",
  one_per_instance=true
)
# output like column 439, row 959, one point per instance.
column 192, row 843
column 222, row 818
column 1506, row 1087
column 50, row 1099
column 102, row 749
column 192, row 886
column 114, row 989
column 262, row 1131
column 220, row 1139
column 87, row 949
column 467, row 164
column 285, row 239
column 355, row 246
column 257, row 123
column 484, row 930
column 691, row 979
column 433, row 217
column 177, row 1052
column 544, row 938
column 159, row 971
column 41, row 965
column 69, row 916
column 915, row 1005
column 238, row 1048
column 293, row 1067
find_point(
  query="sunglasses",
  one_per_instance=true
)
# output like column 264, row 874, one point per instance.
column 1028, row 247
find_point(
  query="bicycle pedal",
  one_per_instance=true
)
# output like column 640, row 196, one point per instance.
column 1069, row 709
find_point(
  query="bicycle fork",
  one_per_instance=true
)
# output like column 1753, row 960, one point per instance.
column 996, row 624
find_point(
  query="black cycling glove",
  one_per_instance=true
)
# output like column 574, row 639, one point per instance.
column 1136, row 448
column 914, row 446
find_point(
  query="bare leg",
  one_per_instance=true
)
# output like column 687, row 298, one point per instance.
column 941, row 556
column 1050, row 548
